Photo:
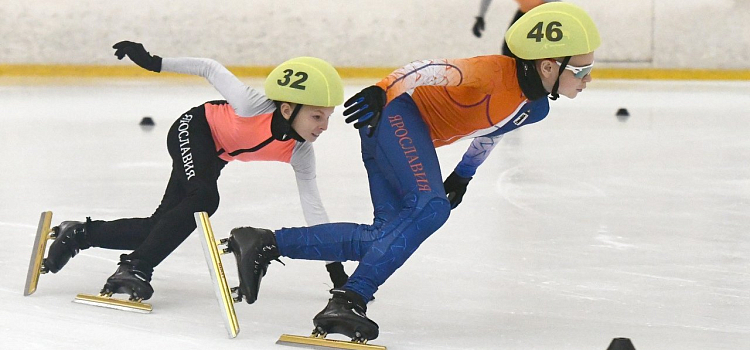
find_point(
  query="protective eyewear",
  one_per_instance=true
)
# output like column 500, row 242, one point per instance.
column 578, row 72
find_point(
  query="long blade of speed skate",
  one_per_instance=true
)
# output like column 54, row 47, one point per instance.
column 37, row 253
column 113, row 303
column 320, row 342
column 216, row 270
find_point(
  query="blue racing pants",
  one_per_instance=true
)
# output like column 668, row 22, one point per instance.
column 408, row 198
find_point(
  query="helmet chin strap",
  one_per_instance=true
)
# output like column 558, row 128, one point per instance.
column 294, row 113
column 281, row 128
column 293, row 133
column 553, row 94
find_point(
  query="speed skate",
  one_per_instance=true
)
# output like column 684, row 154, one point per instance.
column 226, row 297
column 36, row 264
column 318, row 340
column 224, row 294
column 37, row 267
column 106, row 300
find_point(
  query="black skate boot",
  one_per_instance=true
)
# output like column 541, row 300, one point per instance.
column 254, row 249
column 337, row 274
column 70, row 238
column 345, row 314
column 132, row 277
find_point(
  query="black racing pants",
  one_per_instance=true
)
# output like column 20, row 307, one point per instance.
column 192, row 188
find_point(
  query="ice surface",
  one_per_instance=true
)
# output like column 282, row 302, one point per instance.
column 577, row 230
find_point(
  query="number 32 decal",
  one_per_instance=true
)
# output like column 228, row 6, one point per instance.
column 297, row 84
column 552, row 32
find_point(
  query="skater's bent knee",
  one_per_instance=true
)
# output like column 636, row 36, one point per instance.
column 436, row 209
column 204, row 198
column 441, row 208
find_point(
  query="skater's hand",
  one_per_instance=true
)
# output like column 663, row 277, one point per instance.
column 365, row 108
column 455, row 188
column 138, row 54
column 478, row 27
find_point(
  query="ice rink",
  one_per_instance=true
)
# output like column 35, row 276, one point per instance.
column 577, row 230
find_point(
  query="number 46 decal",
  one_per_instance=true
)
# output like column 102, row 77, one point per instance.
column 297, row 84
column 552, row 32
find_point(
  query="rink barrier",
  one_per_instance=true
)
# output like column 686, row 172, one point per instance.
column 97, row 71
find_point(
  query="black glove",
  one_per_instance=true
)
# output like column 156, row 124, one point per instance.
column 365, row 107
column 478, row 27
column 138, row 55
column 455, row 187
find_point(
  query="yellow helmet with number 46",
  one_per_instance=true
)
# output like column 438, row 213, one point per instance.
column 305, row 80
column 554, row 29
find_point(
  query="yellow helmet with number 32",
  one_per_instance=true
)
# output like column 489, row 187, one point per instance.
column 305, row 80
column 554, row 29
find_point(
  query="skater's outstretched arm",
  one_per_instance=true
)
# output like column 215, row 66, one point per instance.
column 480, row 73
column 245, row 100
column 303, row 162
column 479, row 23
column 455, row 185
column 477, row 72
column 477, row 153
column 483, row 6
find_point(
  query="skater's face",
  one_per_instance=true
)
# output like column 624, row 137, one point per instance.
column 310, row 121
column 573, row 78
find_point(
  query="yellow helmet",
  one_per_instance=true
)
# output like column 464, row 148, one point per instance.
column 305, row 80
column 554, row 29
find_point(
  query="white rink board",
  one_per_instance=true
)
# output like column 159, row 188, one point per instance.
column 711, row 34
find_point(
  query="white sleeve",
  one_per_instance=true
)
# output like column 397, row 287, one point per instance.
column 245, row 100
column 483, row 6
column 303, row 163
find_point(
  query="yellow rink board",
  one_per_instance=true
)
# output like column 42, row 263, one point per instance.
column 603, row 71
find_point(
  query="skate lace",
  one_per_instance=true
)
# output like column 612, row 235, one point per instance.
column 257, row 263
column 357, row 310
column 73, row 242
column 72, row 245
column 348, row 303
column 140, row 275
column 129, row 267
column 267, row 249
